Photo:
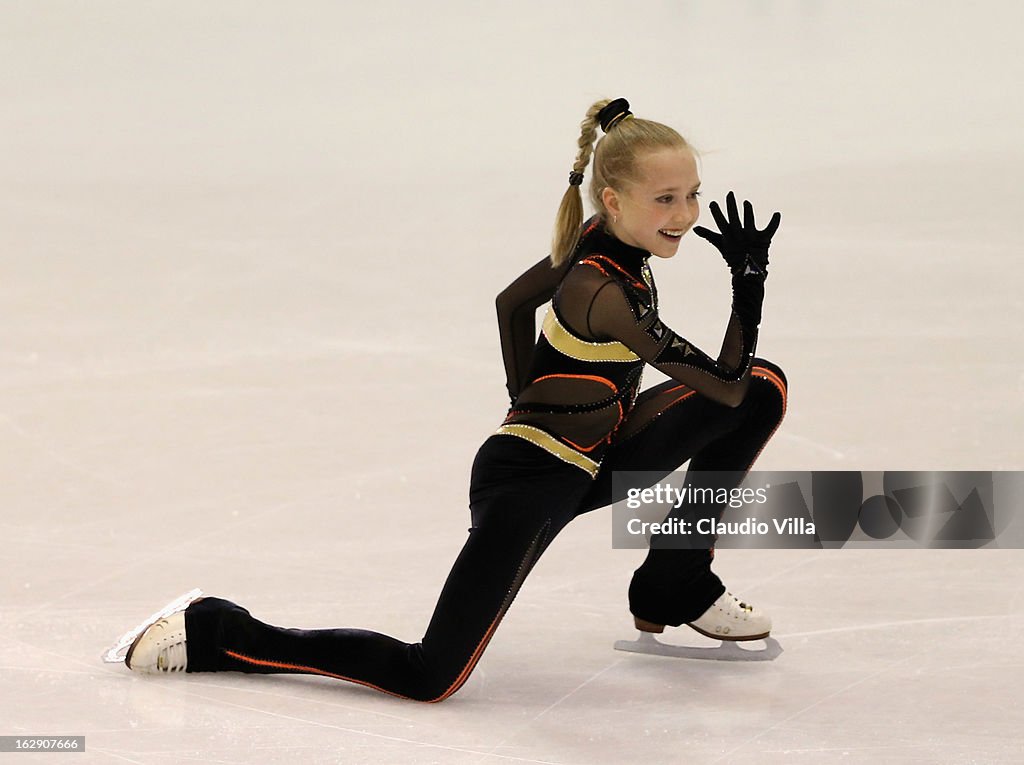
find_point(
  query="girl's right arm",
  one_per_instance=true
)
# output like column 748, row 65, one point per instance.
column 516, row 306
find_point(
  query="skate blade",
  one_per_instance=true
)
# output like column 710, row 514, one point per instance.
column 117, row 652
column 729, row 650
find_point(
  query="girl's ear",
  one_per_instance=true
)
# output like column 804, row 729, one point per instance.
column 611, row 201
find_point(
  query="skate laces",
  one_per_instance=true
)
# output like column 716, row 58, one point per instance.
column 172, row 658
column 743, row 606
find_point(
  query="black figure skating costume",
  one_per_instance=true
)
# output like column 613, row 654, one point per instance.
column 577, row 415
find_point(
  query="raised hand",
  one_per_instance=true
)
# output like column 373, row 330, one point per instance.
column 743, row 246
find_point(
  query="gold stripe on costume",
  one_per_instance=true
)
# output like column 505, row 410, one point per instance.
column 549, row 443
column 564, row 341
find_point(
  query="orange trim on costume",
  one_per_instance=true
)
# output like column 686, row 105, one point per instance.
column 603, row 380
column 598, row 266
column 473, row 660
column 615, row 265
column 605, row 440
column 594, row 378
column 677, row 388
column 311, row 670
column 458, row 683
column 775, row 380
column 580, row 448
column 681, row 398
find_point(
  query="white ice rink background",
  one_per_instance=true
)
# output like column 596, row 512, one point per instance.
column 248, row 257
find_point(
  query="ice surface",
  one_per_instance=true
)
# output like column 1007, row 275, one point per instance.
column 248, row 264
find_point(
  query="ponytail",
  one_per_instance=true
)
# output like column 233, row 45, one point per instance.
column 570, row 211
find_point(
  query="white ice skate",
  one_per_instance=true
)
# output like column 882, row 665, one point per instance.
column 727, row 620
column 158, row 643
column 161, row 648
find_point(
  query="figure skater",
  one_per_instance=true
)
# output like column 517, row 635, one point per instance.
column 576, row 416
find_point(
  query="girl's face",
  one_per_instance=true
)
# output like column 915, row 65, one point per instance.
column 654, row 211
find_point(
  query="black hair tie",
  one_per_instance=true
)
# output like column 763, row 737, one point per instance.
column 614, row 113
column 575, row 179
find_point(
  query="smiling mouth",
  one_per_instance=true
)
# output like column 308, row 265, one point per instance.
column 672, row 234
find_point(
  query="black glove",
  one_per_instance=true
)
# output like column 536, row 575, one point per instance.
column 744, row 248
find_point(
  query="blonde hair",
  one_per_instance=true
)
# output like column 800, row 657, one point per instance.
column 615, row 163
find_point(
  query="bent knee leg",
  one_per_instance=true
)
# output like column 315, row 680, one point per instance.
column 768, row 379
column 765, row 368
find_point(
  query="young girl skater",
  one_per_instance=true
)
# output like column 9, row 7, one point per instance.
column 575, row 417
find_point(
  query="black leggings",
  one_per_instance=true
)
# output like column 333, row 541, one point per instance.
column 520, row 498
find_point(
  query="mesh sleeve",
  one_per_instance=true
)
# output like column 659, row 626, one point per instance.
column 516, row 306
column 615, row 313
